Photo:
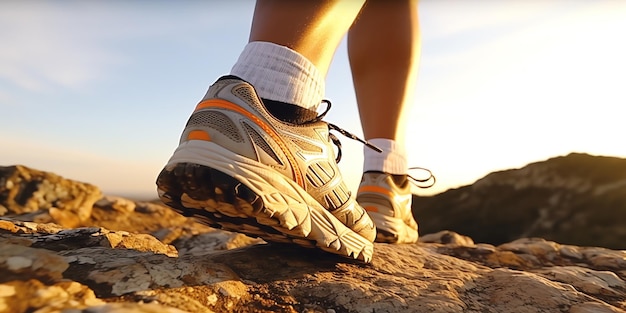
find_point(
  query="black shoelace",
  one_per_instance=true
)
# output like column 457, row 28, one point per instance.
column 418, row 182
column 342, row 131
column 423, row 183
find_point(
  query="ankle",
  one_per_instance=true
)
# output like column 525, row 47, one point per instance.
column 280, row 74
column 391, row 160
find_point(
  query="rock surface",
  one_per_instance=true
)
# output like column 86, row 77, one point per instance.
column 45, row 196
column 576, row 199
column 131, row 256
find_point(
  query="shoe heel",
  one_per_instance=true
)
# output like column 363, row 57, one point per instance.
column 206, row 193
column 220, row 200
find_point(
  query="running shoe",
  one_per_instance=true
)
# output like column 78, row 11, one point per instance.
column 387, row 198
column 240, row 168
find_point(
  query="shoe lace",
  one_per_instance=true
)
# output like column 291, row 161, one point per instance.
column 423, row 183
column 427, row 182
column 342, row 131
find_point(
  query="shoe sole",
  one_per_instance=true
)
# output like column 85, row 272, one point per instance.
column 393, row 230
column 225, row 190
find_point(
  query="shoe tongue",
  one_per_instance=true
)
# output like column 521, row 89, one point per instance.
column 289, row 113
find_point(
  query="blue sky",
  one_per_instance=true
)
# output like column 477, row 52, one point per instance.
column 99, row 91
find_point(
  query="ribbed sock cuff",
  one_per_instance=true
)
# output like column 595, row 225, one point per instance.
column 281, row 74
column 392, row 160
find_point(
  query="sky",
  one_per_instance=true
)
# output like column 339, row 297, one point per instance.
column 99, row 91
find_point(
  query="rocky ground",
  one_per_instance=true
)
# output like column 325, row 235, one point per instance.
column 64, row 247
column 577, row 199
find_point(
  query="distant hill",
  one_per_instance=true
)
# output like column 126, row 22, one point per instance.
column 576, row 199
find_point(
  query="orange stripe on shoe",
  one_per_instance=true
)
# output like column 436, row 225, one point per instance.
column 223, row 104
column 376, row 189
column 198, row 135
column 371, row 209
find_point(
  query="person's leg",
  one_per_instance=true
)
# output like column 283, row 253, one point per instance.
column 312, row 28
column 291, row 46
column 253, row 158
column 384, row 48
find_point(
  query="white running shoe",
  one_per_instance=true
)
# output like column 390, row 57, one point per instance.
column 240, row 168
column 387, row 198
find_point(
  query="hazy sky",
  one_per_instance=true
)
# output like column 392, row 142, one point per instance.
column 99, row 91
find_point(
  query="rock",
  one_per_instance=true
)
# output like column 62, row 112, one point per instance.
column 578, row 199
column 117, row 213
column 137, row 257
column 29, row 295
column 25, row 191
column 260, row 277
column 51, row 238
column 132, row 308
column 447, row 237
column 118, row 204
column 23, row 263
column 595, row 282
column 594, row 307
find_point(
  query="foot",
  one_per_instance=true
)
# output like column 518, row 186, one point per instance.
column 240, row 168
column 387, row 199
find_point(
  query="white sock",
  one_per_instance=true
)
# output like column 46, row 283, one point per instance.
column 392, row 160
column 280, row 74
